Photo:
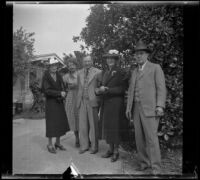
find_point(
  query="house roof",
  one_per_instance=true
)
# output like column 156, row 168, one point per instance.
column 45, row 57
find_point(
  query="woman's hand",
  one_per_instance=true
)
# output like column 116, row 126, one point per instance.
column 99, row 90
column 63, row 94
column 103, row 88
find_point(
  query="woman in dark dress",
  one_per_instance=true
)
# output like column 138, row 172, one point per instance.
column 56, row 119
column 112, row 110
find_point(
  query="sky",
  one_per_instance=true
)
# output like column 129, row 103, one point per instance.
column 54, row 25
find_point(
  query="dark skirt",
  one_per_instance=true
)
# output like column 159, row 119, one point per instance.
column 114, row 122
column 56, row 119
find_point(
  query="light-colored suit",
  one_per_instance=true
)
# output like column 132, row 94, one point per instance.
column 88, row 109
column 152, row 93
column 152, row 88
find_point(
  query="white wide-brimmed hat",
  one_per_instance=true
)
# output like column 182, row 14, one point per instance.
column 112, row 53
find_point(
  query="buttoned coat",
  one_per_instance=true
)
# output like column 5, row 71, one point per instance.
column 152, row 90
column 113, row 123
column 55, row 115
column 92, row 85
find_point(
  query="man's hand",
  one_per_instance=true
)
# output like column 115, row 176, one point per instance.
column 159, row 111
column 128, row 114
column 63, row 93
column 131, row 123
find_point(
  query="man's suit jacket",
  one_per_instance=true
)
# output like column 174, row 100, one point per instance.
column 92, row 85
column 152, row 90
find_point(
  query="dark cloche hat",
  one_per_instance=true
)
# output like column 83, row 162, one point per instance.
column 112, row 53
column 141, row 46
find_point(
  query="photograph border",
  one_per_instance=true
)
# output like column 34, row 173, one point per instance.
column 190, row 132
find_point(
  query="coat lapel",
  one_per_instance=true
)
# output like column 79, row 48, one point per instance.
column 52, row 80
column 131, row 88
column 106, row 77
column 91, row 74
column 110, row 76
column 145, row 70
column 82, row 76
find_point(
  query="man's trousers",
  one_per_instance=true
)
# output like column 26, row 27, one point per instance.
column 88, row 125
column 146, row 138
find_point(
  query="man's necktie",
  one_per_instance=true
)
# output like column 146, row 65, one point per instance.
column 86, row 72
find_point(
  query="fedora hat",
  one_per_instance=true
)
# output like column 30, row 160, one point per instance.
column 112, row 53
column 141, row 46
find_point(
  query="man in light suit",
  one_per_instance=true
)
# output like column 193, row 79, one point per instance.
column 88, row 105
column 146, row 103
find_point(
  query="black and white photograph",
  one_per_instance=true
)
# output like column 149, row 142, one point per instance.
column 98, row 88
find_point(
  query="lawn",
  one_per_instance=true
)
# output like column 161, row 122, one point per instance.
column 171, row 162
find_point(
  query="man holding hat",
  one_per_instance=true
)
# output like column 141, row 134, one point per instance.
column 145, row 104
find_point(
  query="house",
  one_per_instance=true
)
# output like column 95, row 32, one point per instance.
column 21, row 90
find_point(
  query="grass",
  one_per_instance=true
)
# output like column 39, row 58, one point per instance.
column 171, row 162
column 171, row 156
column 30, row 115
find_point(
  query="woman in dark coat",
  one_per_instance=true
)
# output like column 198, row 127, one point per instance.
column 112, row 110
column 56, row 119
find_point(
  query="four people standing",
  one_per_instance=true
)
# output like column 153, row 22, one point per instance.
column 146, row 102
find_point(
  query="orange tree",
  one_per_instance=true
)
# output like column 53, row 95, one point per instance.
column 120, row 26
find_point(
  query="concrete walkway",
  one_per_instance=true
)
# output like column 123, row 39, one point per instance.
column 30, row 155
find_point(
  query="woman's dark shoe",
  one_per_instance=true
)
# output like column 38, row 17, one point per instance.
column 61, row 147
column 107, row 154
column 115, row 157
column 51, row 149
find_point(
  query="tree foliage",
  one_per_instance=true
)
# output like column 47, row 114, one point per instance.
column 23, row 48
column 38, row 96
column 79, row 57
column 120, row 26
